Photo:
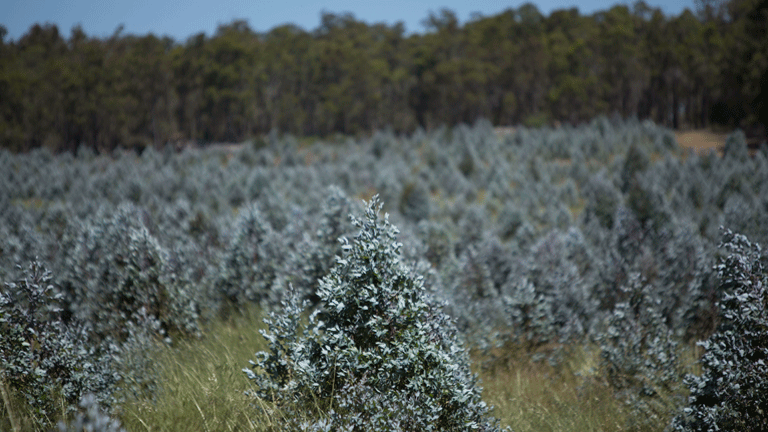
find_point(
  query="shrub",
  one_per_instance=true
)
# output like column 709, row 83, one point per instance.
column 732, row 392
column 635, row 162
column 639, row 354
column 602, row 200
column 43, row 361
column 509, row 221
column 379, row 351
column 647, row 203
column 437, row 242
column 736, row 147
column 251, row 261
column 547, row 292
column 475, row 298
column 471, row 228
column 414, row 201
column 92, row 419
column 531, row 314
column 118, row 268
column 314, row 255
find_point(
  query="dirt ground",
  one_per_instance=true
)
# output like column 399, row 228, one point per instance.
column 701, row 140
column 698, row 140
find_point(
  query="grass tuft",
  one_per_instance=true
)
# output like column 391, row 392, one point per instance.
column 533, row 395
column 202, row 385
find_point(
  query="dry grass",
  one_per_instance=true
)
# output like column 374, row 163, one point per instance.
column 535, row 396
column 203, row 386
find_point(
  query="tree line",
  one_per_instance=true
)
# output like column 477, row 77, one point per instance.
column 346, row 76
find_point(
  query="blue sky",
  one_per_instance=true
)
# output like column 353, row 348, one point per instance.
column 181, row 19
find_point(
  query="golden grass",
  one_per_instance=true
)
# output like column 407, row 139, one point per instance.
column 202, row 383
column 204, row 388
column 532, row 395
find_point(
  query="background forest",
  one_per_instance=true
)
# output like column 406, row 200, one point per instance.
column 401, row 248
column 351, row 77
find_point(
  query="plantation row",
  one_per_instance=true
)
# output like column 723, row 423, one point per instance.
column 604, row 234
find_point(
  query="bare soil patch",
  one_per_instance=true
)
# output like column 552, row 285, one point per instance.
column 502, row 131
column 701, row 140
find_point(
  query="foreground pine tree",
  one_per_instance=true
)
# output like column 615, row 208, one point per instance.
column 378, row 355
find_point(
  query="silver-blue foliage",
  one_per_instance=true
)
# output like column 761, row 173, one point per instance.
column 379, row 353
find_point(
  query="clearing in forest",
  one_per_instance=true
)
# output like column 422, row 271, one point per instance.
column 701, row 140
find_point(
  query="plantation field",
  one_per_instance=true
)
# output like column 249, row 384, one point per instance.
column 465, row 278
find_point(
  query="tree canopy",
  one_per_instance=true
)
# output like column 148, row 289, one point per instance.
column 351, row 77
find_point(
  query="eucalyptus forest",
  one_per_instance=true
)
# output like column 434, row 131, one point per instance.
column 350, row 77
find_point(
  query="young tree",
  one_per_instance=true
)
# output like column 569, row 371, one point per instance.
column 732, row 393
column 379, row 355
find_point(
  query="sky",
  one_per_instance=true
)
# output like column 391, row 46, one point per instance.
column 182, row 19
